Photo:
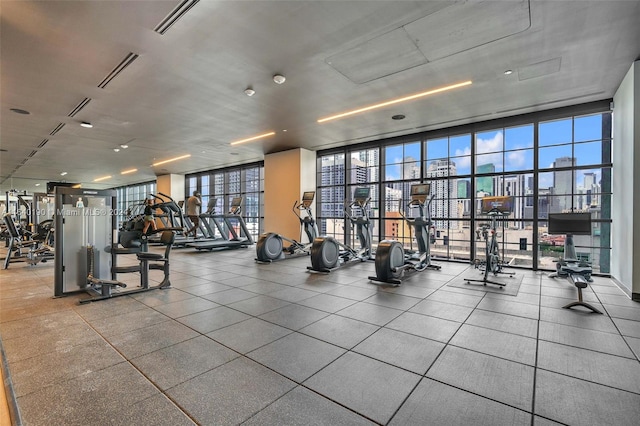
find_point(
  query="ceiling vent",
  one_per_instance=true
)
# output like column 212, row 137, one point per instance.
column 57, row 129
column 34, row 152
column 43, row 143
column 79, row 107
column 175, row 14
column 117, row 70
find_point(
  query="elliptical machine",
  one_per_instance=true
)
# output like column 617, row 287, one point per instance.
column 270, row 248
column 328, row 254
column 392, row 260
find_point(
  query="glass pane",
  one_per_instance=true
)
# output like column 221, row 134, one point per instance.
column 588, row 153
column 437, row 148
column 412, row 151
column 489, row 163
column 518, row 160
column 518, row 137
column 462, row 165
column 491, row 141
column 587, row 128
column 460, row 145
column 555, row 132
column 393, row 154
column 440, row 247
column 555, row 156
column 485, row 186
column 440, row 168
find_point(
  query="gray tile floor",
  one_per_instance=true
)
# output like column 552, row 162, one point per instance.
column 235, row 342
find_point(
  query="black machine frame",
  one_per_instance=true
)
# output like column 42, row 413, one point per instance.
column 495, row 207
column 392, row 259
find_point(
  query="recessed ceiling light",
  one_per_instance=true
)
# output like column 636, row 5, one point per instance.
column 249, row 91
column 63, row 174
column 395, row 101
column 126, row 172
column 37, row 184
column 398, row 117
column 279, row 78
column 253, row 138
column 102, row 178
column 124, row 146
column 116, row 149
column 507, row 72
column 284, row 130
column 20, row 111
column 87, row 125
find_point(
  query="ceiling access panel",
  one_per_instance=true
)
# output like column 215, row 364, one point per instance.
column 379, row 57
column 468, row 25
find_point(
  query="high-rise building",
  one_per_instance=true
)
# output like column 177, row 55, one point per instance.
column 444, row 204
column 562, row 185
column 485, row 183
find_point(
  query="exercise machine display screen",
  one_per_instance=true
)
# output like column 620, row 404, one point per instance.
column 570, row 223
column 307, row 198
column 361, row 193
column 501, row 204
column 420, row 191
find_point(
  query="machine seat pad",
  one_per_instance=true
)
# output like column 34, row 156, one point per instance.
column 150, row 256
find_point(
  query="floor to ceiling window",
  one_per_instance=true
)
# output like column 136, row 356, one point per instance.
column 219, row 187
column 549, row 162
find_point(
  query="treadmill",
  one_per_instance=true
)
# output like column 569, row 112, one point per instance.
column 233, row 230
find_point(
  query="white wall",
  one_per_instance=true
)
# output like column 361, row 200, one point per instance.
column 625, row 209
column 172, row 185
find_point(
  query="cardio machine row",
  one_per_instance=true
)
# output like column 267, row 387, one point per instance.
column 392, row 261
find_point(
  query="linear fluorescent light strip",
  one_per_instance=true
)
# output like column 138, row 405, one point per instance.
column 171, row 159
column 395, row 101
column 126, row 172
column 102, row 178
column 264, row 135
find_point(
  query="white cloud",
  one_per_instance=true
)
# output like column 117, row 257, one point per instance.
column 516, row 159
column 494, row 144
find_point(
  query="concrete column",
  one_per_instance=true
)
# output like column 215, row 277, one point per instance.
column 625, row 209
column 287, row 175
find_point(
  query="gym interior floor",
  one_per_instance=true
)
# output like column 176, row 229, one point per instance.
column 238, row 342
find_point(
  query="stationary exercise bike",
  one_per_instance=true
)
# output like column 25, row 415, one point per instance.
column 270, row 248
column 392, row 260
column 495, row 208
column 328, row 254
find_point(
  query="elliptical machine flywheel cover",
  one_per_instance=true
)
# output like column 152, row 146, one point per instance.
column 389, row 256
column 325, row 253
column 269, row 247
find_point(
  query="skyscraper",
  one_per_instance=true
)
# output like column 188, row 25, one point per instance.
column 485, row 184
column 444, row 204
column 562, row 185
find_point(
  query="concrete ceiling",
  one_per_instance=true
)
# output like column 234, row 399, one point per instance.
column 180, row 90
